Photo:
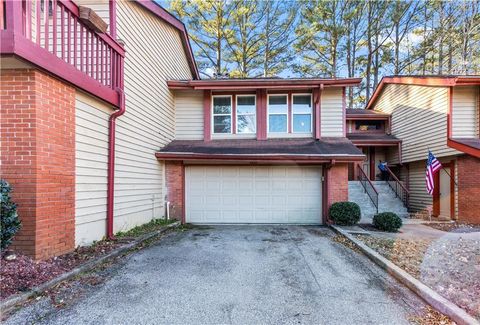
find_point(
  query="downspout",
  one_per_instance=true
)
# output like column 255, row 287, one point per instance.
column 111, row 162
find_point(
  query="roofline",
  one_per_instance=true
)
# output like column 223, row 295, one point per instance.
column 439, row 81
column 259, row 157
column 237, row 84
column 163, row 14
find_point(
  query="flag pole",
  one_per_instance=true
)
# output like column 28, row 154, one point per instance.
column 453, row 179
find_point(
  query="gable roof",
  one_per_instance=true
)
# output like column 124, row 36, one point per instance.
column 432, row 81
column 163, row 14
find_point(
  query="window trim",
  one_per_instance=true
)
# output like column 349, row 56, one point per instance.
column 311, row 112
column 254, row 114
column 213, row 114
column 268, row 113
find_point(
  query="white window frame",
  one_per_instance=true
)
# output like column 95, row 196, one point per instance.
column 212, row 121
column 254, row 114
column 311, row 112
column 268, row 113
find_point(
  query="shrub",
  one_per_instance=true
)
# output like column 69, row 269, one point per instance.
column 387, row 221
column 345, row 213
column 9, row 222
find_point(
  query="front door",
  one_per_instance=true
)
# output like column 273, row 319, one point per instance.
column 445, row 195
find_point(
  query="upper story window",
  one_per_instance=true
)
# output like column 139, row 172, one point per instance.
column 277, row 113
column 302, row 113
column 222, row 114
column 246, row 117
column 369, row 125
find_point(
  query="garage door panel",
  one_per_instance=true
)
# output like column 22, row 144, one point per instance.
column 246, row 194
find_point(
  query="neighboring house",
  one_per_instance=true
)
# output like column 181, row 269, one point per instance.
column 85, row 110
column 440, row 114
column 79, row 171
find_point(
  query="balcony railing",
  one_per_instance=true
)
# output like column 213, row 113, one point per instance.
column 368, row 186
column 400, row 190
column 50, row 34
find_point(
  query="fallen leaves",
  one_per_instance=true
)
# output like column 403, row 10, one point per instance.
column 24, row 273
column 430, row 316
column 345, row 242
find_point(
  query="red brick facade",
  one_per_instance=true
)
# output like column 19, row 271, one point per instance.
column 175, row 180
column 468, row 189
column 337, row 184
column 38, row 159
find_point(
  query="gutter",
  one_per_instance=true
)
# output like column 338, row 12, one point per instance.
column 111, row 162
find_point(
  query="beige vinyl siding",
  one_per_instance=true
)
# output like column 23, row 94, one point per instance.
column 331, row 114
column 465, row 112
column 100, row 7
column 189, row 115
column 91, row 155
column 419, row 118
column 154, row 55
column 419, row 198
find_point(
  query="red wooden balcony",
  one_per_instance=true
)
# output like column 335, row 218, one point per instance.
column 50, row 35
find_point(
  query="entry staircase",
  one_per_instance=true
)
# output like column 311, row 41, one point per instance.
column 378, row 196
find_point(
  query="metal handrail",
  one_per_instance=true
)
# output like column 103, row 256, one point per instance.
column 400, row 190
column 368, row 187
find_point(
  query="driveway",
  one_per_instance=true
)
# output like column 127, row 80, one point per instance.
column 241, row 275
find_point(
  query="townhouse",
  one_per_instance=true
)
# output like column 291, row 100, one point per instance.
column 440, row 114
column 105, row 125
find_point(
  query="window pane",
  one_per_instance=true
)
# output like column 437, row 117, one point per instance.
column 277, row 104
column 277, row 123
column 302, row 104
column 277, row 100
column 246, row 105
column 222, row 105
column 222, row 124
column 302, row 122
column 246, row 100
column 246, row 124
column 301, row 100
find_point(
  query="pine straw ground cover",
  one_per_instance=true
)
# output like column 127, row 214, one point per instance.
column 24, row 273
column 449, row 265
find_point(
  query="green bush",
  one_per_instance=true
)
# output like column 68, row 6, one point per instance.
column 387, row 221
column 9, row 222
column 345, row 213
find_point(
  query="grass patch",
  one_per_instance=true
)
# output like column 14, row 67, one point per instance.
column 153, row 225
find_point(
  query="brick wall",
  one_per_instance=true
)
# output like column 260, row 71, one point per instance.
column 174, row 176
column 337, row 184
column 468, row 189
column 38, row 159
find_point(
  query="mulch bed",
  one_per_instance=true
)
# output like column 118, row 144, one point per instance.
column 450, row 266
column 24, row 273
column 457, row 227
column 407, row 254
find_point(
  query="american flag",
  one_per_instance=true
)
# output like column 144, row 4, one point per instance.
column 433, row 165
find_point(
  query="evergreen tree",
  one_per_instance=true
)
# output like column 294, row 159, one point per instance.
column 9, row 222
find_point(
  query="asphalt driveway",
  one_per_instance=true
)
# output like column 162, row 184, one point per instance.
column 241, row 275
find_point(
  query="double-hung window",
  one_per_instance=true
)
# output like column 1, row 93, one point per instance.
column 277, row 113
column 222, row 114
column 246, row 118
column 301, row 113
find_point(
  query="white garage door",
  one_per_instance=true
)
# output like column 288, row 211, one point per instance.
column 245, row 194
